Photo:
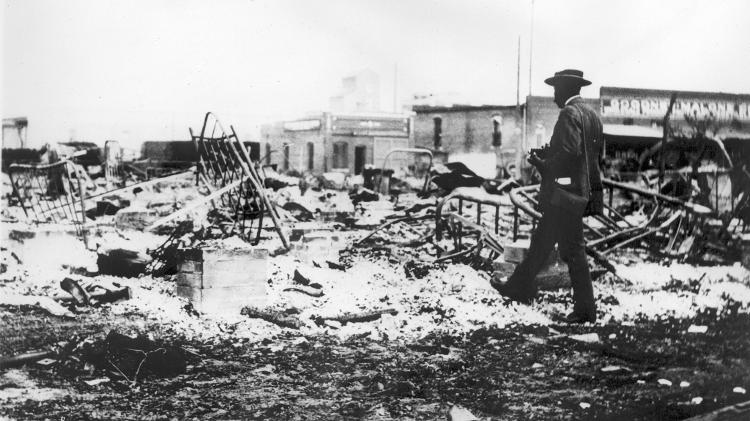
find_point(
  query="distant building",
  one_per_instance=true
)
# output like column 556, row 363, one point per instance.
column 334, row 142
column 359, row 93
column 636, row 115
column 14, row 132
column 632, row 122
column 462, row 129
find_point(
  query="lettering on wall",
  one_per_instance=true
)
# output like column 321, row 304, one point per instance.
column 300, row 125
column 655, row 107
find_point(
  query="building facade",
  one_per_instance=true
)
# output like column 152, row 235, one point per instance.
column 14, row 133
column 633, row 116
column 632, row 122
column 464, row 129
column 334, row 142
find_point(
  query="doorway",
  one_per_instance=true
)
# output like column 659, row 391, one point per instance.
column 360, row 152
column 310, row 156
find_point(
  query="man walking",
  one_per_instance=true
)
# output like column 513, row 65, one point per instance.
column 571, row 188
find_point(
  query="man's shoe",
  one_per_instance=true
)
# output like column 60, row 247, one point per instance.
column 509, row 292
column 578, row 318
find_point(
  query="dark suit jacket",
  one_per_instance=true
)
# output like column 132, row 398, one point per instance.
column 566, row 156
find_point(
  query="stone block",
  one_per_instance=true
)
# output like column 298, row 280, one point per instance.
column 307, row 231
column 222, row 301
column 135, row 218
column 47, row 247
column 317, row 248
column 223, row 281
column 516, row 251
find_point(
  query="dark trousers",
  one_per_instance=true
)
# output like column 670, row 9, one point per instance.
column 557, row 226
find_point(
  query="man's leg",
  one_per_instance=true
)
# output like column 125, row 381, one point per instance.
column 573, row 253
column 521, row 283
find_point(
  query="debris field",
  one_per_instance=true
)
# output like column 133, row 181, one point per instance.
column 232, row 291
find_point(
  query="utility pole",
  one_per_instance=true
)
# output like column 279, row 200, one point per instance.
column 395, row 87
column 531, row 44
column 518, row 74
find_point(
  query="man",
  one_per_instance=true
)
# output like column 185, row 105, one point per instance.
column 571, row 188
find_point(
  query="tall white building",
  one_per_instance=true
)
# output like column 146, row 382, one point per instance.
column 359, row 93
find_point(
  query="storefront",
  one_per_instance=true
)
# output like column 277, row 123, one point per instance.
column 335, row 142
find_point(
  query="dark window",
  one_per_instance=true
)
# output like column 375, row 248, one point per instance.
column 268, row 154
column 253, row 148
column 340, row 155
column 310, row 156
column 437, row 136
column 497, row 135
column 286, row 155
column 627, row 121
column 360, row 153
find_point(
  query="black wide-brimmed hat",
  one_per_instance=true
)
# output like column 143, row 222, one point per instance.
column 572, row 76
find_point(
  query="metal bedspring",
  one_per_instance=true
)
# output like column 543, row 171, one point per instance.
column 50, row 193
column 223, row 161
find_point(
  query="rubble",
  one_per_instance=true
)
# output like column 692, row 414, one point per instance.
column 122, row 262
column 273, row 264
column 133, row 359
column 45, row 303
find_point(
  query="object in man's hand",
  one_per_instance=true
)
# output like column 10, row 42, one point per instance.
column 535, row 160
column 540, row 153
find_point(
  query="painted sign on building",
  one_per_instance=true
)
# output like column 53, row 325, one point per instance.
column 653, row 104
column 359, row 126
column 301, row 125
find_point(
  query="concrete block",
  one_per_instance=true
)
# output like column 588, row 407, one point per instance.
column 316, row 250
column 213, row 279
column 516, row 251
column 223, row 268
column 222, row 301
column 306, row 228
column 135, row 218
column 47, row 247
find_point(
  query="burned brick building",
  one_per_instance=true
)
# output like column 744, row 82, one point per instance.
column 334, row 142
column 490, row 130
column 636, row 116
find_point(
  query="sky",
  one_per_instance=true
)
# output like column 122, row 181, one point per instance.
column 135, row 70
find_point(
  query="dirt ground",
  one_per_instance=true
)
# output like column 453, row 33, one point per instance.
column 671, row 340
column 519, row 372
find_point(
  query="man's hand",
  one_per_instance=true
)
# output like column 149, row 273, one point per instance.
column 536, row 161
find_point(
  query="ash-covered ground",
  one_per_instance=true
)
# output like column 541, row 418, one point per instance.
column 672, row 340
